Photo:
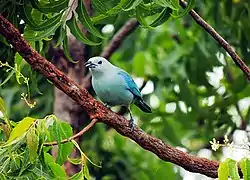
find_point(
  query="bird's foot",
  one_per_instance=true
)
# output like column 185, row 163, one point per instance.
column 131, row 123
column 107, row 106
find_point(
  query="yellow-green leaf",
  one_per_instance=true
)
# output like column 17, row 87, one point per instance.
column 20, row 129
column 32, row 141
column 18, row 61
column 245, row 168
column 223, row 171
column 233, row 169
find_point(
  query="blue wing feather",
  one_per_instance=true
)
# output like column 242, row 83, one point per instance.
column 132, row 87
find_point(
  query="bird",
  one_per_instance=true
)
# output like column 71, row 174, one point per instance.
column 114, row 86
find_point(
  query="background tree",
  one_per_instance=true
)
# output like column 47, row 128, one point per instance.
column 196, row 91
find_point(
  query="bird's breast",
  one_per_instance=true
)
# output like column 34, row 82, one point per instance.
column 112, row 91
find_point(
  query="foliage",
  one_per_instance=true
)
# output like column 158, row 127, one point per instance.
column 191, row 103
column 23, row 154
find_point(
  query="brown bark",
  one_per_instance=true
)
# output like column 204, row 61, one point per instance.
column 97, row 111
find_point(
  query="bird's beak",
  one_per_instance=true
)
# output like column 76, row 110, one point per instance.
column 89, row 64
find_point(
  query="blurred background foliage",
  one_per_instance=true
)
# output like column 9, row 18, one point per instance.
column 195, row 90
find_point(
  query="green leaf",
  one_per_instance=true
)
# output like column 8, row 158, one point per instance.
column 138, row 63
column 75, row 161
column 66, row 50
column 20, row 129
column 8, row 77
column 128, row 5
column 223, row 171
column 233, row 169
column 61, row 36
column 140, row 18
column 32, row 141
column 39, row 35
column 54, row 6
column 76, row 31
column 57, row 170
column 26, row 15
column 18, row 61
column 62, row 130
column 163, row 17
column 78, row 176
column 86, row 21
column 100, row 6
column 86, row 171
column 48, row 23
column 3, row 107
column 34, row 80
column 190, row 5
column 167, row 3
column 245, row 168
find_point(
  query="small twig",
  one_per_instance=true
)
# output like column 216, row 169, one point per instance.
column 118, row 38
column 237, row 60
column 80, row 133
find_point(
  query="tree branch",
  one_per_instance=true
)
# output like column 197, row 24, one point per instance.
column 116, row 41
column 237, row 60
column 97, row 111
column 80, row 133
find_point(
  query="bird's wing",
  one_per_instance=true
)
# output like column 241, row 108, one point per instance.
column 131, row 86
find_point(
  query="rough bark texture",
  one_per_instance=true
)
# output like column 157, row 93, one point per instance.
column 97, row 111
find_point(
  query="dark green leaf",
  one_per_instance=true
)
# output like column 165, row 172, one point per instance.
column 100, row 6
column 54, row 6
column 130, row 4
column 26, row 12
column 190, row 5
column 8, row 77
column 163, row 17
column 140, row 17
column 61, row 36
column 167, row 3
column 76, row 31
column 86, row 21
column 37, row 36
column 66, row 50
column 48, row 23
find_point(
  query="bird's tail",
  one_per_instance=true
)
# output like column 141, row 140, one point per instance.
column 143, row 106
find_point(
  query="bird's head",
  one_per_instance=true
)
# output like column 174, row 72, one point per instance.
column 98, row 65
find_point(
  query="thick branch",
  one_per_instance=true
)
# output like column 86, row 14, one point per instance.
column 236, row 58
column 96, row 110
column 116, row 41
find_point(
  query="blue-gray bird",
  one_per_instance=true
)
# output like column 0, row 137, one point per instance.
column 114, row 86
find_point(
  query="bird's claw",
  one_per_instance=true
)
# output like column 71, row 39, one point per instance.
column 107, row 106
column 131, row 123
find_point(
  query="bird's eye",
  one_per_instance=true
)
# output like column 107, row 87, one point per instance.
column 99, row 62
